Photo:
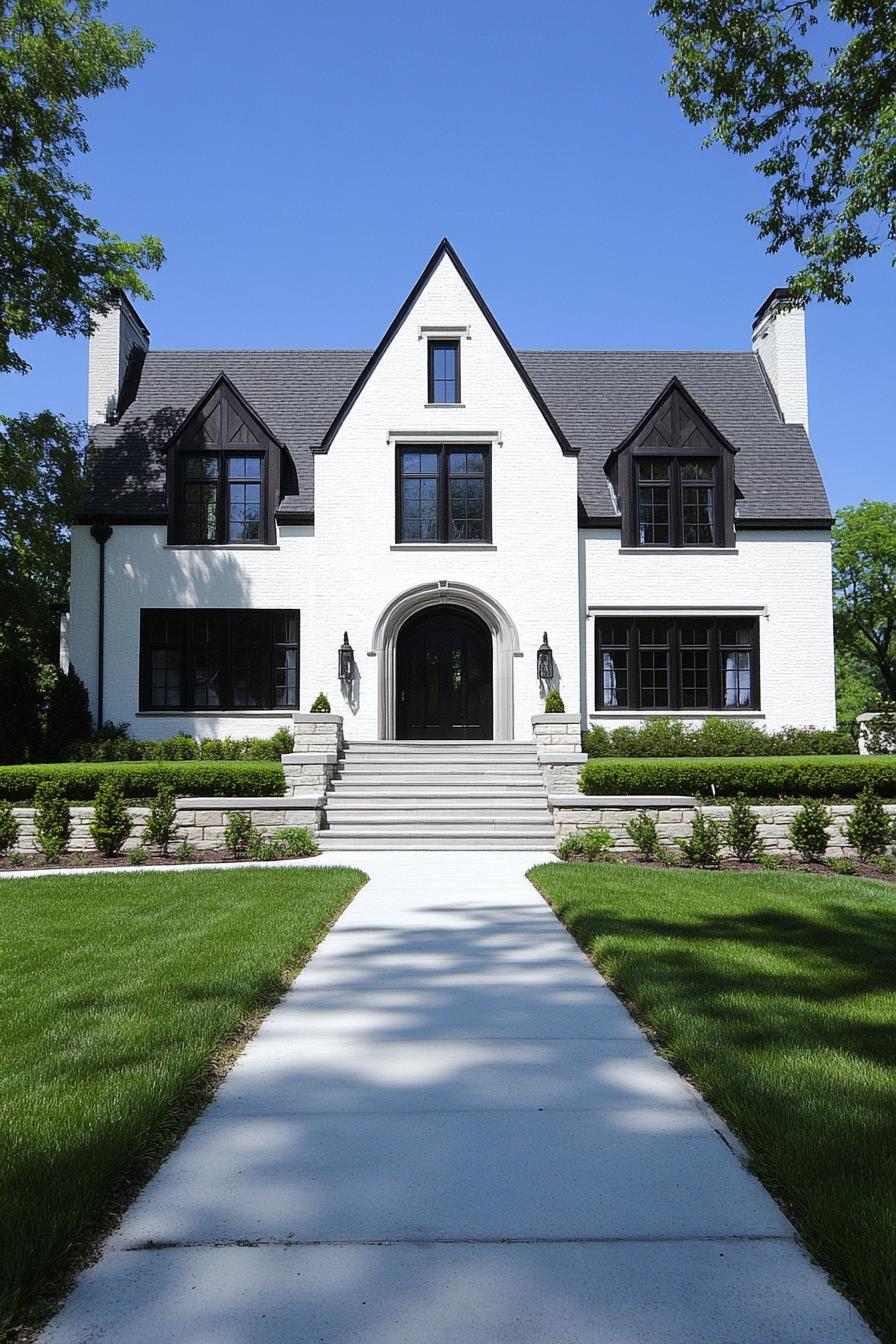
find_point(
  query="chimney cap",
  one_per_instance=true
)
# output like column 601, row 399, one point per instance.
column 777, row 296
column 119, row 296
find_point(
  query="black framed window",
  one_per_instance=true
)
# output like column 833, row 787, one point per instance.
column 443, row 380
column 224, row 473
column 677, row 664
column 443, row 493
column 213, row 659
column 676, row 501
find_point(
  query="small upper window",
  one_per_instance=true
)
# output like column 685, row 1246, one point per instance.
column 224, row 472
column 444, row 372
column 676, row 501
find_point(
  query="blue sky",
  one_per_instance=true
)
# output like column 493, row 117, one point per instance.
column 301, row 161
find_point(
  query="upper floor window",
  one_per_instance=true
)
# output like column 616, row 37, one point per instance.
column 681, row 663
column 675, row 478
column 444, row 372
column 444, row 493
column 224, row 473
column 677, row 501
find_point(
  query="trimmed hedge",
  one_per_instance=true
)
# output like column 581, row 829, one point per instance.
column 716, row 737
column 777, row 778
column 141, row 779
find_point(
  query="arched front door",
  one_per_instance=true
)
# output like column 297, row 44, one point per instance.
column 444, row 675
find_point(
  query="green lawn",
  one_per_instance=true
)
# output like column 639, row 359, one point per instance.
column 776, row 993
column 117, row 994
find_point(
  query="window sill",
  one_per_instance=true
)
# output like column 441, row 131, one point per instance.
column 279, row 712
column 678, row 550
column 676, row 714
column 443, row 546
column 221, row 546
column 444, row 406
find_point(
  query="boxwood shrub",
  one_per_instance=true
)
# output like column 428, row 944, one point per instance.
column 715, row 737
column 141, row 779
column 776, row 778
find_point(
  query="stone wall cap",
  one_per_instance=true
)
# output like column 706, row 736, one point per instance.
column 296, row 801
column 309, row 758
column 620, row 800
column 317, row 718
column 556, row 718
column 562, row 757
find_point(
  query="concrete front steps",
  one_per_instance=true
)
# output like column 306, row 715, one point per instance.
column 438, row 795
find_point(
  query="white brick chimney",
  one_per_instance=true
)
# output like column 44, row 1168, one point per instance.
column 115, row 335
column 779, row 339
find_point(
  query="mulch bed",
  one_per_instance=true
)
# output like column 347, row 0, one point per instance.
column 91, row 859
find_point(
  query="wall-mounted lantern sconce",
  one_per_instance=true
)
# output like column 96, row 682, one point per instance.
column 544, row 664
column 346, row 661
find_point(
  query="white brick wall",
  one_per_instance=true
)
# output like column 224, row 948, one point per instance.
column 787, row 574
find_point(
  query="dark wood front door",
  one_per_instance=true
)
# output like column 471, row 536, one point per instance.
column 444, row 684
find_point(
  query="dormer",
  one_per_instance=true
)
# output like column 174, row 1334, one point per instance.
column 674, row 478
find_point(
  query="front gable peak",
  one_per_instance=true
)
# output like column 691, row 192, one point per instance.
column 444, row 250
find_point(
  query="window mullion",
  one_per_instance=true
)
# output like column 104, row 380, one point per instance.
column 443, row 493
column 673, row 641
column 716, row 669
column 634, row 667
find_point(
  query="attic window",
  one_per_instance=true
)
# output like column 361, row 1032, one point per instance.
column 444, row 373
column 224, row 468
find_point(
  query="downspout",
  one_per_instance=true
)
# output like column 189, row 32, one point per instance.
column 101, row 532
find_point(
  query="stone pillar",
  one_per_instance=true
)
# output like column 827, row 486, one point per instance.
column 558, row 745
column 318, row 745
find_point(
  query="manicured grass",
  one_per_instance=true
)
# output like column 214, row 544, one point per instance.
column 776, row 993
column 117, row 995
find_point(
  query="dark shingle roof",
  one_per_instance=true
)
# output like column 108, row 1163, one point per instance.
column 597, row 398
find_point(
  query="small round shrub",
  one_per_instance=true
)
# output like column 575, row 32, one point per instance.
column 742, row 831
column 553, row 703
column 111, row 823
column 160, row 823
column 571, row 848
column 52, row 818
column 321, row 705
column 597, row 844
column 238, row 832
column 259, row 847
column 139, row 856
column 809, row 830
column 644, row 836
column 703, row 848
column 869, row 829
column 185, row 852
column 298, row 842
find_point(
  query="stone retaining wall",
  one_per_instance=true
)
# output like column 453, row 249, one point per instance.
column 200, row 821
column 675, row 821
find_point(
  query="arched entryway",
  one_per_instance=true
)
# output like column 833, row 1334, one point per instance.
column 444, row 675
column 433, row 595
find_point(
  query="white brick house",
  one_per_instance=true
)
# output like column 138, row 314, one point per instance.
column 446, row 501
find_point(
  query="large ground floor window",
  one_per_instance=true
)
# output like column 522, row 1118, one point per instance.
column 679, row 663
column 219, row 659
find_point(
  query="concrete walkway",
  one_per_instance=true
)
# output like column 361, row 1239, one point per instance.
column 451, row 1132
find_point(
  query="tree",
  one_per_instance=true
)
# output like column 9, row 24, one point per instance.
column 865, row 587
column 57, row 264
column 821, row 129
column 40, row 481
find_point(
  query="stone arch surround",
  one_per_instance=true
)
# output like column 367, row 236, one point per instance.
column 505, row 647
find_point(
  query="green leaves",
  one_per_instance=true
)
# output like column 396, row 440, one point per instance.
column 57, row 263
column 825, row 128
column 40, row 483
column 864, row 558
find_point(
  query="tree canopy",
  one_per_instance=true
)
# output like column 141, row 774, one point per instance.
column 865, row 588
column 822, row 128
column 40, row 482
column 57, row 263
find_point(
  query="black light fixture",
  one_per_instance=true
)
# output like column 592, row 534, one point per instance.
column 545, row 661
column 346, row 660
